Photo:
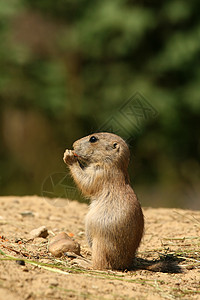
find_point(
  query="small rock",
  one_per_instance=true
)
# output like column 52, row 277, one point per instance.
column 54, row 218
column 28, row 296
column 53, row 282
column 27, row 213
column 2, row 221
column 55, row 229
column 62, row 243
column 39, row 232
column 48, row 292
column 59, row 236
column 16, row 201
column 20, row 262
column 81, row 233
column 19, row 284
column 17, row 240
column 39, row 240
column 25, row 270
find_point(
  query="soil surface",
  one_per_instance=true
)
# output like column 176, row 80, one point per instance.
column 29, row 271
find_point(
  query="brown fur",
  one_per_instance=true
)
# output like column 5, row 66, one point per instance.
column 114, row 223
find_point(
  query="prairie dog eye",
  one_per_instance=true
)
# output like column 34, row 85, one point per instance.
column 93, row 139
column 115, row 145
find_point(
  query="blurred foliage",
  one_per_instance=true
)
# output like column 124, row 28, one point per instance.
column 68, row 67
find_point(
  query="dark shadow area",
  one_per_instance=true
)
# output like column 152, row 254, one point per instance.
column 168, row 264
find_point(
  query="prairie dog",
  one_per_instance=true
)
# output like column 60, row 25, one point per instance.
column 114, row 224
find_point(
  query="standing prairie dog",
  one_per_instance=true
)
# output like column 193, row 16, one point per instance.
column 114, row 223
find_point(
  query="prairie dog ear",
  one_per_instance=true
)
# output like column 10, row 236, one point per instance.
column 116, row 146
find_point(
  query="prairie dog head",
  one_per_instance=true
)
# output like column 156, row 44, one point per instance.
column 102, row 149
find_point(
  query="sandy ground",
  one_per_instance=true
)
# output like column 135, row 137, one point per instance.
column 172, row 234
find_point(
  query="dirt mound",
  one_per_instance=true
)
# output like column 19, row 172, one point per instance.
column 28, row 271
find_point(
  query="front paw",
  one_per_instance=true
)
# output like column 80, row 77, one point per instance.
column 69, row 157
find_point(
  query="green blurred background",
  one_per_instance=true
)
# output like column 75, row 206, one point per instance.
column 69, row 68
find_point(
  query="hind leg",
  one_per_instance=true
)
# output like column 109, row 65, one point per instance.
column 100, row 255
column 108, row 255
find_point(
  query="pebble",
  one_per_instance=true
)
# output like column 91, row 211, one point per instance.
column 29, row 296
column 81, row 234
column 27, row 213
column 53, row 282
column 48, row 292
column 25, row 270
column 17, row 240
column 16, row 201
column 2, row 221
column 54, row 218
column 62, row 243
column 39, row 232
column 20, row 262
